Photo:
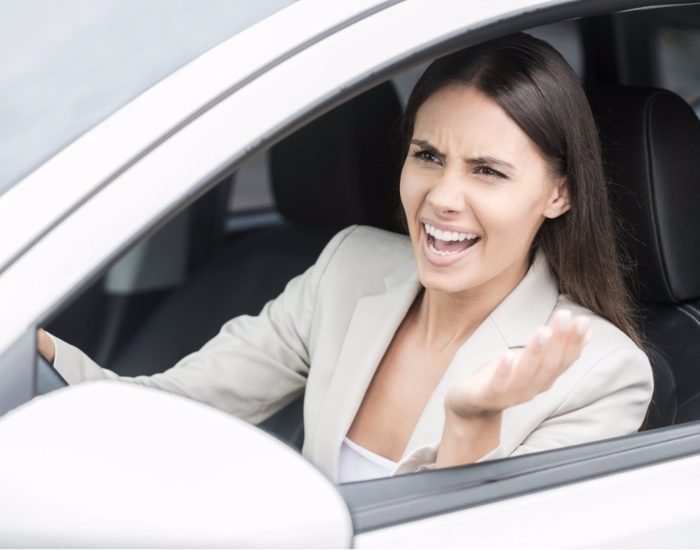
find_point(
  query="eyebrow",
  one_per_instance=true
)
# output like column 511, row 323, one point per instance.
column 490, row 160
column 484, row 159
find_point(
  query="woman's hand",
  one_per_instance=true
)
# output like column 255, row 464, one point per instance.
column 473, row 406
column 514, row 379
column 45, row 345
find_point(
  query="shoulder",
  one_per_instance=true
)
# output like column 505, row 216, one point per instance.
column 365, row 252
column 370, row 243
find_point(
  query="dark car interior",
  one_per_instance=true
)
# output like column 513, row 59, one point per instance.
column 217, row 259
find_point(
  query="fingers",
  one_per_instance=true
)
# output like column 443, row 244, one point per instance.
column 575, row 341
column 568, row 338
column 552, row 359
column 503, row 372
column 550, row 352
column 45, row 345
column 531, row 358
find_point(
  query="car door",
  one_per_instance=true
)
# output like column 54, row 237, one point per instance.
column 602, row 493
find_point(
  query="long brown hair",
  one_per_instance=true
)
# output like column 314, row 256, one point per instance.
column 537, row 88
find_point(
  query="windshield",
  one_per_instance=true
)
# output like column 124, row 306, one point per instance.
column 68, row 65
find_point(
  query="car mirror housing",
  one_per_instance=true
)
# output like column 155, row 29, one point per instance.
column 111, row 464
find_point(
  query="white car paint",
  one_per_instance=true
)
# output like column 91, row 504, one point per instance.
column 66, row 179
column 652, row 507
column 109, row 464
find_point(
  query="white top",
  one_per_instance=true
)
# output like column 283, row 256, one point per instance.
column 357, row 463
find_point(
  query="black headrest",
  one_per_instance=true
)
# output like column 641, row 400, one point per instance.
column 651, row 146
column 340, row 169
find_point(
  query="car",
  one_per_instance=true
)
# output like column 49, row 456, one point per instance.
column 198, row 199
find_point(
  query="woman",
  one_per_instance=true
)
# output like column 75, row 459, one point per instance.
column 500, row 326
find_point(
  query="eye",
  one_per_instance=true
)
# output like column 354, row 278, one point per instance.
column 426, row 155
column 488, row 171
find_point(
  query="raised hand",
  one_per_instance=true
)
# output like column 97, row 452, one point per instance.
column 515, row 378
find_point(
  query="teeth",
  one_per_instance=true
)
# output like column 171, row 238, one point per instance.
column 448, row 235
column 441, row 252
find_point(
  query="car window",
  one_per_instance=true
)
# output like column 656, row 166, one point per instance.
column 75, row 62
column 252, row 188
column 139, row 319
column 678, row 50
column 565, row 36
column 203, row 268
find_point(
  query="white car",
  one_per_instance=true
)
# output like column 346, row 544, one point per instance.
column 129, row 243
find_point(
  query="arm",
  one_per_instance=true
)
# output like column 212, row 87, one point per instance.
column 474, row 406
column 609, row 399
column 253, row 367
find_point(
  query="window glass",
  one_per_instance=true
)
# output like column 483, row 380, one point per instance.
column 678, row 51
column 252, row 186
column 68, row 65
column 565, row 36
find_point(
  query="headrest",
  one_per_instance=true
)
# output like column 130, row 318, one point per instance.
column 340, row 169
column 651, row 147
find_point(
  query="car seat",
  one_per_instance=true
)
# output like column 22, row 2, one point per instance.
column 651, row 145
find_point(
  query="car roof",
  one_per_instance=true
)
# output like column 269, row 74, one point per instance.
column 95, row 158
column 64, row 79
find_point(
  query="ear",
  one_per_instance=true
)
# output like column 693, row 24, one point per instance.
column 558, row 201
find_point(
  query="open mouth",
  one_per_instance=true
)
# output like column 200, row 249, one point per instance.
column 443, row 247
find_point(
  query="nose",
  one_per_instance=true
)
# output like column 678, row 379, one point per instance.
column 447, row 195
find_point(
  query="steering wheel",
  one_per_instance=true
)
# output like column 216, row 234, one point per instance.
column 47, row 377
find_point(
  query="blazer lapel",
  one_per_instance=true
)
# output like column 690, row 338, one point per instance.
column 509, row 326
column 374, row 322
column 529, row 305
column 484, row 344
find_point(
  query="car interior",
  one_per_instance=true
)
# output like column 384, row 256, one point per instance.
column 235, row 248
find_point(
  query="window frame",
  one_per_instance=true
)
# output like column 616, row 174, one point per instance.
column 383, row 503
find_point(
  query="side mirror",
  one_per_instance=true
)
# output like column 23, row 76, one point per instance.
column 111, row 464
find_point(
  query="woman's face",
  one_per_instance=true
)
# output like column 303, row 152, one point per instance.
column 475, row 190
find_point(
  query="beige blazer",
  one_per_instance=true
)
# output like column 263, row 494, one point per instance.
column 331, row 326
